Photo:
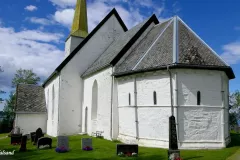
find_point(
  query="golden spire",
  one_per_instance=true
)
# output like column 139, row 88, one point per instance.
column 80, row 26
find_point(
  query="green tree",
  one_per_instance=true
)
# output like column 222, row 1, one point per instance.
column 1, row 91
column 25, row 77
column 234, row 106
column 9, row 107
column 22, row 76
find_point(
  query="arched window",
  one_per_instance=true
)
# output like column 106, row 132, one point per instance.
column 154, row 97
column 129, row 99
column 198, row 97
column 53, row 99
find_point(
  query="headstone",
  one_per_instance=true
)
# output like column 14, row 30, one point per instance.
column 16, row 139
column 44, row 141
column 87, row 144
column 32, row 134
column 39, row 134
column 173, row 143
column 63, row 142
column 23, row 147
column 127, row 150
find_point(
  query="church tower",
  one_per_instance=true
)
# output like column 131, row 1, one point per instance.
column 79, row 29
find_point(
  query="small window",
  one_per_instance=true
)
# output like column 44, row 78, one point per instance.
column 129, row 99
column 154, row 97
column 198, row 98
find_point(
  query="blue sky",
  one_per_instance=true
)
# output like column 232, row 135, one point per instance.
column 32, row 32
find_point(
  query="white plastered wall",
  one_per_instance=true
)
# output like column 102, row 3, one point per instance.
column 201, row 126
column 104, row 82
column 71, row 43
column 71, row 83
column 152, row 126
column 30, row 122
column 52, row 118
column 198, row 126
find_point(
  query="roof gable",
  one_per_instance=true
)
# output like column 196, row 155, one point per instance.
column 118, row 48
column 172, row 43
column 75, row 51
column 30, row 98
column 135, row 58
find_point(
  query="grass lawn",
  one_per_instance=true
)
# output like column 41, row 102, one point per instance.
column 105, row 150
column 3, row 135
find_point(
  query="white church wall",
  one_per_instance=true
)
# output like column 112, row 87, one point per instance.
column 71, row 83
column 152, row 119
column 52, row 101
column 104, row 82
column 71, row 43
column 31, row 122
column 200, row 126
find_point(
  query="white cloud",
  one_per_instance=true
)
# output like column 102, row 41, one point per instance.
column 64, row 3
column 231, row 53
column 28, row 49
column 30, row 8
column 64, row 17
column 42, row 21
column 131, row 16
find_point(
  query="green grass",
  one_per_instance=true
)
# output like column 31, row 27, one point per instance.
column 106, row 150
column 3, row 135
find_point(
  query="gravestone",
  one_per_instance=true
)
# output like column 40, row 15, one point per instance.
column 32, row 134
column 63, row 142
column 44, row 141
column 39, row 134
column 23, row 147
column 127, row 149
column 86, row 143
column 173, row 151
column 16, row 138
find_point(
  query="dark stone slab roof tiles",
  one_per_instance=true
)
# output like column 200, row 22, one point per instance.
column 30, row 98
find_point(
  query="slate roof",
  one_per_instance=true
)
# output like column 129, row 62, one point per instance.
column 113, row 50
column 156, row 51
column 30, row 98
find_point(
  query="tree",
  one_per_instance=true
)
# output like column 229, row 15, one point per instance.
column 9, row 107
column 1, row 91
column 22, row 76
column 234, row 108
column 25, row 76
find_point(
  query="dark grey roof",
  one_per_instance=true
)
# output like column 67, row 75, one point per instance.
column 114, row 49
column 155, row 51
column 30, row 98
column 193, row 51
column 142, row 57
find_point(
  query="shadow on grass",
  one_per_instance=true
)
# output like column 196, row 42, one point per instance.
column 235, row 140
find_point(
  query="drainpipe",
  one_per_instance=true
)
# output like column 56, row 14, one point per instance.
column 176, row 103
column 135, row 106
column 171, row 92
column 223, row 110
column 111, row 118
column 59, row 81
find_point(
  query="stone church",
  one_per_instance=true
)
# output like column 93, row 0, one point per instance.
column 124, row 82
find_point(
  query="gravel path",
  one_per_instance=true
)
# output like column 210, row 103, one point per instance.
column 235, row 156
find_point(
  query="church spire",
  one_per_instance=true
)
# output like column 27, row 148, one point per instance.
column 79, row 25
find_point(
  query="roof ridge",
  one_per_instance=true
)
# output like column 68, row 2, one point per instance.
column 145, row 23
column 75, row 51
column 195, row 34
column 160, row 34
